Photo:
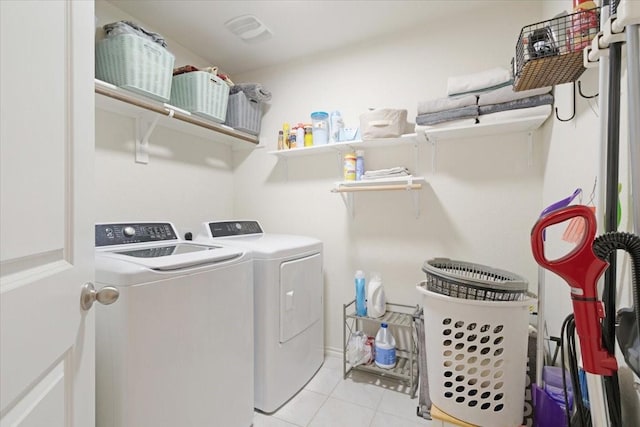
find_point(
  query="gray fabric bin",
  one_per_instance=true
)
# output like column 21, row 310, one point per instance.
column 244, row 114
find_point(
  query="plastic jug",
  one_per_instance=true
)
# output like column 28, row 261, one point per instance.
column 320, row 127
column 361, row 305
column 376, row 298
column 385, row 348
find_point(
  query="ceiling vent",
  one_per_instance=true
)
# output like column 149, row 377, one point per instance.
column 249, row 29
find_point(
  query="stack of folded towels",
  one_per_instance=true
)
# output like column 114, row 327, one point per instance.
column 380, row 174
column 483, row 97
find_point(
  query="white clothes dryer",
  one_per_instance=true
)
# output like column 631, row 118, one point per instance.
column 176, row 348
column 288, row 308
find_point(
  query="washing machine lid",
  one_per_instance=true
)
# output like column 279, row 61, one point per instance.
column 249, row 235
column 171, row 257
column 154, row 246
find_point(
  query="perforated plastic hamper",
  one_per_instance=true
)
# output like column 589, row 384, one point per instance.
column 477, row 357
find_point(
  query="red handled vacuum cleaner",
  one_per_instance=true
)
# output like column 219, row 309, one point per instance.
column 581, row 269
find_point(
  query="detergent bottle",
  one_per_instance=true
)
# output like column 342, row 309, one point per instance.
column 385, row 348
column 376, row 299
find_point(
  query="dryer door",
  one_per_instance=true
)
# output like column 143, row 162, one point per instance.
column 300, row 295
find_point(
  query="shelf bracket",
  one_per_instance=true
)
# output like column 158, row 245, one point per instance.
column 434, row 153
column 347, row 199
column 416, row 156
column 144, row 129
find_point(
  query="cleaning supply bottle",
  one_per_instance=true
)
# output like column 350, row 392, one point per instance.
column 285, row 134
column 350, row 167
column 385, row 348
column 376, row 299
column 359, row 164
column 300, row 135
column 361, row 305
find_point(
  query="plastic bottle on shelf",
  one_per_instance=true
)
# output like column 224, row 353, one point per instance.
column 336, row 123
column 361, row 304
column 320, row 127
column 385, row 348
column 359, row 164
column 308, row 136
column 376, row 298
column 350, row 167
column 300, row 136
column 293, row 138
column 280, row 140
column 285, row 135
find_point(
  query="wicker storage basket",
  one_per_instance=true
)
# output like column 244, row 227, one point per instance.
column 201, row 93
column 136, row 64
column 244, row 114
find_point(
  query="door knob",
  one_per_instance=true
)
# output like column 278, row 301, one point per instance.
column 106, row 295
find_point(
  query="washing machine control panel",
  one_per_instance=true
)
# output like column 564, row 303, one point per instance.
column 234, row 228
column 121, row 234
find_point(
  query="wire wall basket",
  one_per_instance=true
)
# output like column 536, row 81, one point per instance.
column 550, row 52
column 473, row 281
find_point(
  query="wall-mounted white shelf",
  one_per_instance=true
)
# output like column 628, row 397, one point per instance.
column 405, row 183
column 520, row 125
column 383, row 184
column 526, row 124
column 345, row 146
column 149, row 113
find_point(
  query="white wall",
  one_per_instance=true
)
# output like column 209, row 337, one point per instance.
column 188, row 180
column 480, row 203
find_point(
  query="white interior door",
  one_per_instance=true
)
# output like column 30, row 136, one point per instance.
column 46, row 218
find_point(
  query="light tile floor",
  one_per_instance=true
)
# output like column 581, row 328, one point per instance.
column 361, row 400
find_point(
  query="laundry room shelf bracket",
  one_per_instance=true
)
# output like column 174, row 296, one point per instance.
column 144, row 128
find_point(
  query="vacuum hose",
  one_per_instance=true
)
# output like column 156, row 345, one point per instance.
column 603, row 246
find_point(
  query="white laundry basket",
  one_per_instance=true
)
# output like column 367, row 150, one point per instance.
column 477, row 356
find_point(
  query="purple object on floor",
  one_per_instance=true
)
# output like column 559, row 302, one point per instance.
column 547, row 411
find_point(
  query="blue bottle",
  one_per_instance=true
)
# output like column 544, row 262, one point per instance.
column 361, row 303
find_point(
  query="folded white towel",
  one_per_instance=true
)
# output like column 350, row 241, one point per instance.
column 385, row 177
column 495, row 77
column 399, row 170
column 442, row 104
column 501, row 116
column 506, row 94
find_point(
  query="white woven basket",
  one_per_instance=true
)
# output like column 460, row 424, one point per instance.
column 201, row 93
column 136, row 64
column 476, row 357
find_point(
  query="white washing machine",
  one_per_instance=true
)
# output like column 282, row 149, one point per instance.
column 289, row 319
column 176, row 348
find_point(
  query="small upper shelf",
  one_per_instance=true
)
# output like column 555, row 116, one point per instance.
column 385, row 184
column 345, row 146
column 526, row 124
column 113, row 99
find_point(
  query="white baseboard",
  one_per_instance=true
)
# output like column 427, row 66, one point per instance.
column 333, row 352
